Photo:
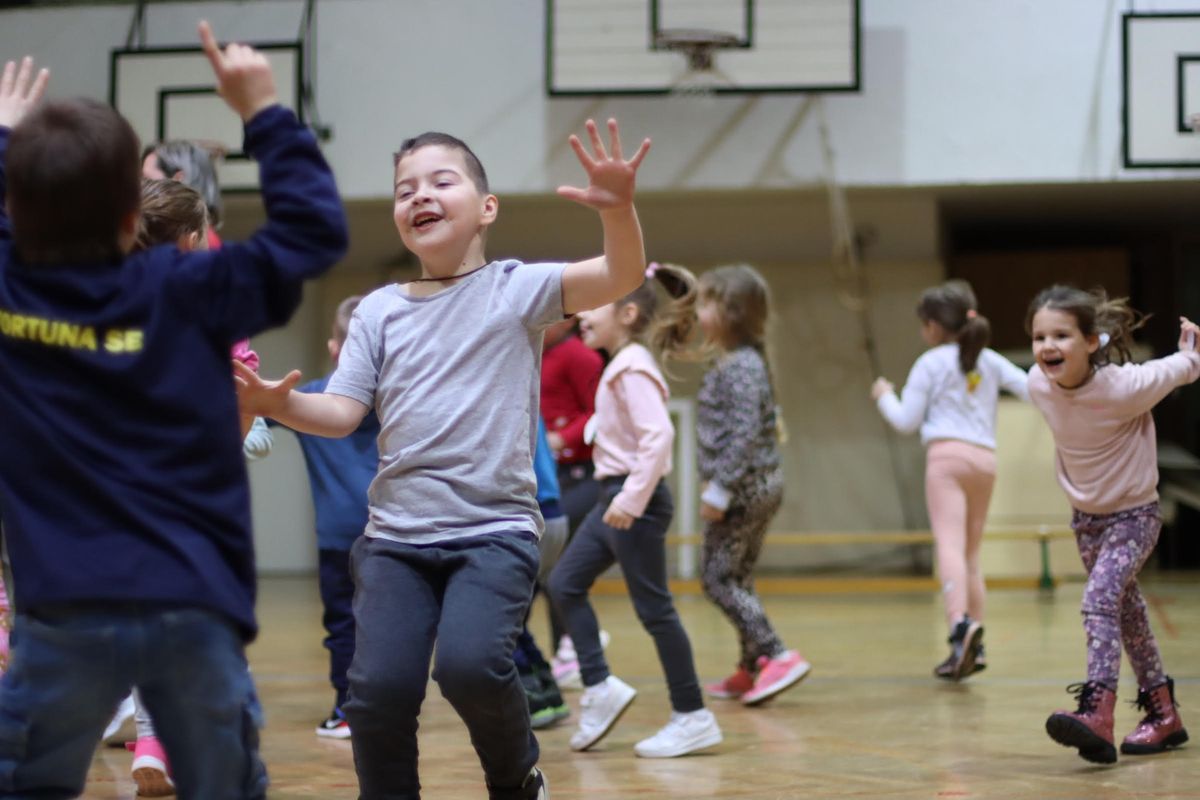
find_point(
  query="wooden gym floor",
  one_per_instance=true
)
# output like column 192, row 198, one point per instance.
column 868, row 722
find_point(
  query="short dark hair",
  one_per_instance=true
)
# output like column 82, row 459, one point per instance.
column 73, row 176
column 475, row 170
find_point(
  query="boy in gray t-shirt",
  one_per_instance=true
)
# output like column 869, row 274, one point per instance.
column 450, row 363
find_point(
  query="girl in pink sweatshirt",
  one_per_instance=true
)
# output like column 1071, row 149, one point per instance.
column 631, row 436
column 1106, row 459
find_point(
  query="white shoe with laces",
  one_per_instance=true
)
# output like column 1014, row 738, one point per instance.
column 600, row 708
column 685, row 733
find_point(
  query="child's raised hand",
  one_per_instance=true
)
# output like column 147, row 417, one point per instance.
column 1189, row 335
column 610, row 176
column 258, row 397
column 244, row 77
column 880, row 387
column 20, row 90
column 616, row 518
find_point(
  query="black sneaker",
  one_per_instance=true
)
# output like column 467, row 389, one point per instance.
column 546, row 705
column 335, row 727
column 536, row 785
column 966, row 650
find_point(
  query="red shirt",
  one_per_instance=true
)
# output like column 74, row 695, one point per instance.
column 570, row 374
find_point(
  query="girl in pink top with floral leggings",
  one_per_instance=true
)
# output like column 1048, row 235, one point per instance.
column 632, row 436
column 1104, row 436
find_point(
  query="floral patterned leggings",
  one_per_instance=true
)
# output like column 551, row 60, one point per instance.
column 1114, row 547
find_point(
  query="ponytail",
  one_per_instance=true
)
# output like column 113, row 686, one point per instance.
column 972, row 337
column 952, row 306
column 666, row 330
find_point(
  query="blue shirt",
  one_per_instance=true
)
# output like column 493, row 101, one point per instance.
column 546, row 471
column 340, row 471
column 123, row 478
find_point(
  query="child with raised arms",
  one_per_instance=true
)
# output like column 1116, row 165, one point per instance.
column 449, row 362
column 127, row 516
column 737, row 430
column 632, row 437
column 1106, row 459
column 951, row 395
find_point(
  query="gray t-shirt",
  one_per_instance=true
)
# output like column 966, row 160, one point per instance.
column 454, row 379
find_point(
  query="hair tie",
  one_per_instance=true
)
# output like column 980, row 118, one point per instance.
column 972, row 313
column 1105, row 339
column 651, row 269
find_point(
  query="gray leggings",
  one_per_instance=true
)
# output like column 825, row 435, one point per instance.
column 641, row 552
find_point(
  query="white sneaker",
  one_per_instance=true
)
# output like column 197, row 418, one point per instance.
column 121, row 729
column 602, row 705
column 685, row 733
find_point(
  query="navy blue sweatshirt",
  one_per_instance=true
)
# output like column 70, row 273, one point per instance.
column 121, row 474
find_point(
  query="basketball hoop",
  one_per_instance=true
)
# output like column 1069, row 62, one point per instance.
column 699, row 46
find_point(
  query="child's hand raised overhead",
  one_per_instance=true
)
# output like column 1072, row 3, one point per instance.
column 610, row 176
column 258, row 397
column 20, row 91
column 244, row 77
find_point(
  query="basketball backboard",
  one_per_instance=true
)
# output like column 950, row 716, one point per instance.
column 599, row 47
column 1160, row 89
column 169, row 93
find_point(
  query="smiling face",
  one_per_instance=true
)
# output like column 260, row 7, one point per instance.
column 440, row 213
column 607, row 327
column 1062, row 350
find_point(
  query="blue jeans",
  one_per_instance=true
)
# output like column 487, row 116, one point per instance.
column 73, row 665
column 469, row 595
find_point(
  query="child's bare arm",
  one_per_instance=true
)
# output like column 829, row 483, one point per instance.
column 20, row 90
column 329, row 415
column 597, row 281
column 244, row 77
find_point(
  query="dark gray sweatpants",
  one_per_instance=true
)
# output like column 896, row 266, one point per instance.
column 470, row 596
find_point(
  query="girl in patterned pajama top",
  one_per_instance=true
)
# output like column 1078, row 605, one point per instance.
column 1106, row 456
column 739, row 463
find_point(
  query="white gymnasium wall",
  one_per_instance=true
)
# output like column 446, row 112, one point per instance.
column 954, row 91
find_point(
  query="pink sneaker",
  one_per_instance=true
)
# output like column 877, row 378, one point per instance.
column 733, row 687
column 150, row 770
column 566, row 673
column 776, row 674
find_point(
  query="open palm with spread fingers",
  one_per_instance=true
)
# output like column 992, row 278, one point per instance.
column 610, row 175
column 20, row 90
column 258, row 397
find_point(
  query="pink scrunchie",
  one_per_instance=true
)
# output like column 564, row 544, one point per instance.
column 242, row 352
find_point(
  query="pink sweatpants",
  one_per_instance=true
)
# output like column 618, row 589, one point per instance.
column 958, row 485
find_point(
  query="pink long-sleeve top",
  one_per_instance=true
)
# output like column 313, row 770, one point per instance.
column 633, row 431
column 1106, row 454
